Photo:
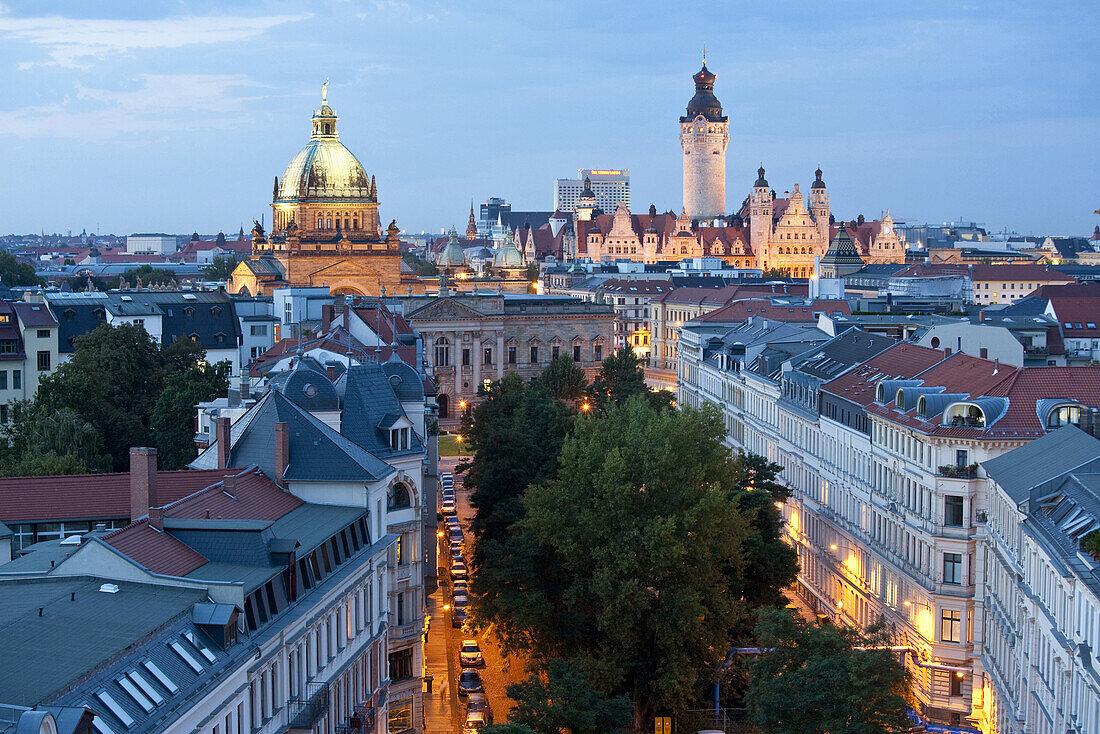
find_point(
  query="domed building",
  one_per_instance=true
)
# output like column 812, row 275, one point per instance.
column 453, row 257
column 326, row 229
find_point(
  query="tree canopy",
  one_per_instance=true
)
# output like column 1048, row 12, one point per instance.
column 632, row 560
column 620, row 378
column 148, row 274
column 819, row 679
column 102, row 401
column 13, row 272
column 564, row 378
column 564, row 699
column 173, row 417
column 220, row 268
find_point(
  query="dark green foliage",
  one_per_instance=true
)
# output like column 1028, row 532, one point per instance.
column 815, row 680
column 620, row 378
column 173, row 416
column 13, row 272
column 508, row 729
column 532, row 272
column 563, row 699
column 422, row 267
column 148, row 274
column 564, row 379
column 106, row 395
column 40, row 441
column 219, row 241
column 220, row 268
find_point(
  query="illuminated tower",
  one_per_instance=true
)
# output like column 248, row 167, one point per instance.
column 704, row 135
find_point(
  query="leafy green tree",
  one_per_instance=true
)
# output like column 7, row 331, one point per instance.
column 532, row 271
column 631, row 561
column 620, row 378
column 219, row 241
column 515, row 434
column 422, row 267
column 40, row 441
column 564, row 699
column 112, row 381
column 148, row 274
column 220, row 268
column 48, row 464
column 173, row 416
column 508, row 729
column 775, row 273
column 819, row 679
column 13, row 272
column 564, row 378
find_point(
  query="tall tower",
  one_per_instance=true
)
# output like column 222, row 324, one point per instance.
column 819, row 207
column 760, row 219
column 704, row 135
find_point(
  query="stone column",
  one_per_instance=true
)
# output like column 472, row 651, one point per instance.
column 500, row 355
column 475, row 358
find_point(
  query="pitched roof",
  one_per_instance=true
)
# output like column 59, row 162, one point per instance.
column 1048, row 457
column 89, row 496
column 1078, row 317
column 775, row 310
column 903, row 360
column 369, row 403
column 34, row 314
column 155, row 549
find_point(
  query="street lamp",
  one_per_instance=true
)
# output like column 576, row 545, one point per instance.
column 586, row 406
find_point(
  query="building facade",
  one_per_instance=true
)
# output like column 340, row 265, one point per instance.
column 325, row 228
column 611, row 188
column 704, row 135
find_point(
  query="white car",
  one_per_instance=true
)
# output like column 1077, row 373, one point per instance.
column 460, row 600
column 475, row 722
column 448, row 507
column 469, row 655
column 458, row 569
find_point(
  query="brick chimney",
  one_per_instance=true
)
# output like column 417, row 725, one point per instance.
column 282, row 452
column 143, row 481
column 330, row 372
column 327, row 313
column 221, row 435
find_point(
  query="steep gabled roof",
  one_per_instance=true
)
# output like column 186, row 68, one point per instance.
column 1042, row 460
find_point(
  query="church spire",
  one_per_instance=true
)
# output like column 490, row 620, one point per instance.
column 471, row 228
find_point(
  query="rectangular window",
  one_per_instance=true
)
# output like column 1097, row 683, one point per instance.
column 953, row 511
column 3, row 379
column 465, row 357
column 534, row 354
column 956, row 684
column 488, row 355
column 43, row 333
column 950, row 626
column 44, row 361
column 952, row 568
column 511, row 355
column 17, row 379
column 259, row 330
column 555, row 351
column 597, row 352
column 576, row 353
column 401, row 665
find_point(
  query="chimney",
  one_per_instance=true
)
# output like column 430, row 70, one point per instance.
column 981, row 317
column 156, row 519
column 282, row 452
column 246, row 386
column 330, row 372
column 229, row 483
column 143, row 481
column 327, row 312
column 221, row 435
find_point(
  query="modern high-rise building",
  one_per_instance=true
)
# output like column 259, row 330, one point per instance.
column 611, row 187
column 704, row 135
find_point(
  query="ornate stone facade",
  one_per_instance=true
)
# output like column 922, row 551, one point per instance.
column 704, row 135
column 325, row 225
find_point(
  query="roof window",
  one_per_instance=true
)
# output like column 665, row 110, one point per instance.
column 134, row 693
column 146, row 687
column 203, row 649
column 186, row 656
column 112, row 706
column 163, row 679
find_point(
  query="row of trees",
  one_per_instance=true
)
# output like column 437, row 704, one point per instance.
column 622, row 549
column 119, row 389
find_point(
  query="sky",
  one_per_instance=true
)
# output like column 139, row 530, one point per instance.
column 176, row 116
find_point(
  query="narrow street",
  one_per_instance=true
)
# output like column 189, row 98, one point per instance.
column 444, row 710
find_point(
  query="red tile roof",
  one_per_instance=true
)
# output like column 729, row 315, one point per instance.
column 901, row 361
column 742, row 310
column 252, row 496
column 89, row 496
column 155, row 550
column 1032, row 384
column 1075, row 314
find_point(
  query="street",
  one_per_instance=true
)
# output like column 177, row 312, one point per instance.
column 444, row 710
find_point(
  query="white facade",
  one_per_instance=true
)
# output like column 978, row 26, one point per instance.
column 611, row 187
column 150, row 244
column 703, row 143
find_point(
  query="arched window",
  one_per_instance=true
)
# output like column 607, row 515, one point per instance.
column 398, row 497
column 1064, row 414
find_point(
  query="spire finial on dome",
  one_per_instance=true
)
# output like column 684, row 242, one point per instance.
column 324, row 92
column 704, row 54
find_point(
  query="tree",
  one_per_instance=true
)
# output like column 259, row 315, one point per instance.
column 565, row 700
column 532, row 272
column 631, row 561
column 220, row 268
column 508, row 729
column 173, row 416
column 563, row 378
column 148, row 274
column 219, row 241
column 13, row 272
column 422, row 267
column 40, row 441
column 620, row 378
column 112, row 381
column 775, row 273
column 818, row 679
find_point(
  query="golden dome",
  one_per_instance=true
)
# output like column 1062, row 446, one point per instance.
column 325, row 169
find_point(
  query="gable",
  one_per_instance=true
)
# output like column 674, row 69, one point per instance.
column 445, row 308
column 343, row 268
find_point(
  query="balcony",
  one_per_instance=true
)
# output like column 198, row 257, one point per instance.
column 958, row 472
column 305, row 711
column 406, row 631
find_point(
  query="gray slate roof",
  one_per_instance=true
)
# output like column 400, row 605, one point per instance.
column 1042, row 460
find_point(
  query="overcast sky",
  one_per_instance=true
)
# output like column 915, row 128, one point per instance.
column 176, row 116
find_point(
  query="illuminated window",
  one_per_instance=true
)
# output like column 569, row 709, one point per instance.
column 950, row 625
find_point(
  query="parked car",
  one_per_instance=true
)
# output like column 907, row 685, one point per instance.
column 454, row 533
column 475, row 722
column 460, row 601
column 469, row 682
column 469, row 655
column 458, row 569
column 448, row 507
column 460, row 587
column 479, row 702
column 458, row 618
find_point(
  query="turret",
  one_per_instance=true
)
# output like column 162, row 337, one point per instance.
column 819, row 205
column 760, row 216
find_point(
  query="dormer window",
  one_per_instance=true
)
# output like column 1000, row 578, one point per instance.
column 399, row 439
column 1064, row 415
column 964, row 415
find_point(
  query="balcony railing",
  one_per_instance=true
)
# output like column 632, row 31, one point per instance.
column 406, row 631
column 306, row 710
column 959, row 472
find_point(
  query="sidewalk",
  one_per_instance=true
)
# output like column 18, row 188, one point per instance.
column 441, row 705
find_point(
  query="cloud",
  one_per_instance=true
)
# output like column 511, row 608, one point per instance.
column 70, row 41
column 160, row 103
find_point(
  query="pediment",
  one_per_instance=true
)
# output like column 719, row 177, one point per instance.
column 445, row 309
column 343, row 268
